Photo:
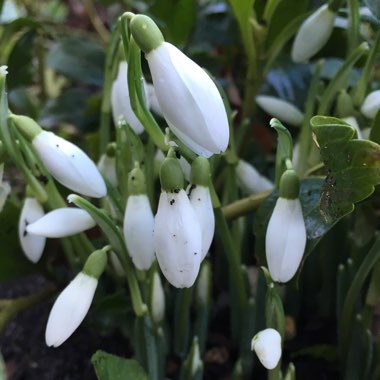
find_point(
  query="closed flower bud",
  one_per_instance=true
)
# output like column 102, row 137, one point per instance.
column 139, row 222
column 121, row 101
column 73, row 303
column 61, row 222
column 313, row 34
column 371, row 105
column 281, row 109
column 32, row 245
column 267, row 345
column 250, row 180
column 68, row 164
column 188, row 98
column 285, row 238
column 157, row 299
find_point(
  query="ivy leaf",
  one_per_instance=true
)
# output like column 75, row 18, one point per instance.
column 352, row 166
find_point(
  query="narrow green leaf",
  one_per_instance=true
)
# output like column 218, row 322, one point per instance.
column 112, row 367
column 352, row 166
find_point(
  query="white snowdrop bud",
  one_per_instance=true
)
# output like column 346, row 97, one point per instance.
column 68, row 164
column 188, row 98
column 73, row 303
column 157, row 299
column 281, row 109
column 31, row 245
column 200, row 198
column 139, row 222
column 121, row 101
column 285, row 238
column 371, row 104
column 313, row 34
column 61, row 222
column 177, row 232
column 250, row 180
column 267, row 345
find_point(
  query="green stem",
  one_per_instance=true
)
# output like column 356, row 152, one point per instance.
column 151, row 349
column 96, row 21
column 182, row 320
column 353, row 31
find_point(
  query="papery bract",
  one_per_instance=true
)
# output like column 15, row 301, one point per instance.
column 177, row 239
column 69, row 165
column 70, row 308
column 61, row 222
column 32, row 245
column 267, row 345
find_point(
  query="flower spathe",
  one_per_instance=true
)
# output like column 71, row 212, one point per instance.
column 371, row 104
column 69, row 165
column 121, row 101
column 32, row 245
column 61, row 222
column 177, row 239
column 267, row 345
column 281, row 109
column 138, row 231
column 285, row 239
column 189, row 100
column 313, row 34
column 69, row 309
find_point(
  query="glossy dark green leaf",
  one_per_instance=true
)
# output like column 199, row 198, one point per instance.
column 78, row 59
column 316, row 226
column 352, row 166
column 375, row 129
column 112, row 367
column 176, row 19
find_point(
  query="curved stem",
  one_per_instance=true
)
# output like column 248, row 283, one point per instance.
column 96, row 21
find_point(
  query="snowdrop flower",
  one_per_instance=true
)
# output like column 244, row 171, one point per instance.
column 73, row 303
column 200, row 198
column 250, row 180
column 157, row 299
column 61, row 222
column 177, row 232
column 139, row 222
column 188, row 98
column 68, row 164
column 185, row 166
column 121, row 101
column 107, row 164
column 285, row 238
column 313, row 34
column 281, row 109
column 32, row 245
column 371, row 104
column 267, row 345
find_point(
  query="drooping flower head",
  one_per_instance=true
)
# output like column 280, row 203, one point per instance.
column 267, row 345
column 188, row 98
column 67, row 163
column 285, row 238
column 177, row 232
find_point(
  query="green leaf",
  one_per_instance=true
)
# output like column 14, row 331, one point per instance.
column 374, row 7
column 316, row 226
column 352, row 166
column 375, row 129
column 78, row 59
column 177, row 17
column 112, row 367
column 284, row 148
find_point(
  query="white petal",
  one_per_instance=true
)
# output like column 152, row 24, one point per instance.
column 121, row 101
column 371, row 104
column 157, row 302
column 285, row 239
column 354, row 123
column 281, row 109
column 107, row 166
column 69, row 165
column 32, row 245
column 153, row 102
column 69, row 309
column 177, row 239
column 200, row 199
column 61, row 222
column 267, row 345
column 250, row 179
column 138, row 231
column 189, row 100
column 313, row 34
